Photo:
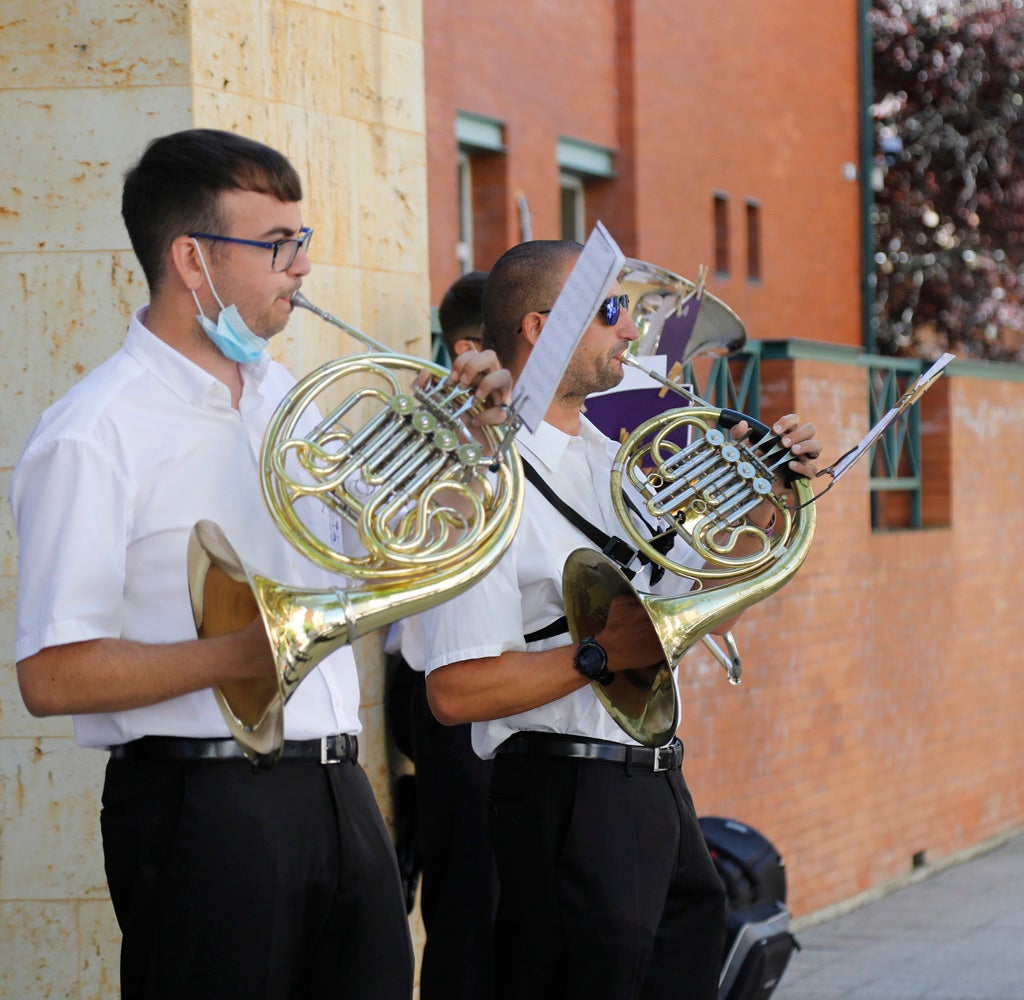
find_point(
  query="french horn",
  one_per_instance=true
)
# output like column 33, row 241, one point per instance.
column 697, row 483
column 433, row 506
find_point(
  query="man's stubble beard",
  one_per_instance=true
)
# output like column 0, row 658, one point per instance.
column 576, row 384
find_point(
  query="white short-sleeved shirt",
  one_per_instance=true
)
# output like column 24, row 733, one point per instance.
column 523, row 593
column 105, row 495
column 406, row 636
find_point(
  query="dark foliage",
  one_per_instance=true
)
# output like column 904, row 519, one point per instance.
column 949, row 177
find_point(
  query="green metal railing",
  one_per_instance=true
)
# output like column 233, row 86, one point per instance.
column 438, row 352
column 896, row 456
column 729, row 383
column 895, row 459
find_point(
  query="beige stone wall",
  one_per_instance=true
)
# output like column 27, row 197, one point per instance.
column 337, row 85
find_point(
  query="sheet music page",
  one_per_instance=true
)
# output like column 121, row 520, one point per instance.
column 587, row 286
column 911, row 396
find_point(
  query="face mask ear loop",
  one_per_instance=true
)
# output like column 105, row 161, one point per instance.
column 209, row 280
column 195, row 298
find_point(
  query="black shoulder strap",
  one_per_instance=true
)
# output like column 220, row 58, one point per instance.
column 615, row 548
column 560, row 626
column 621, row 552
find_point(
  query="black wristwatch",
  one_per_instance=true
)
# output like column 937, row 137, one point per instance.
column 592, row 661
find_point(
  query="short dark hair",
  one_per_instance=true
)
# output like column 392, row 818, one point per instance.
column 175, row 186
column 460, row 313
column 526, row 278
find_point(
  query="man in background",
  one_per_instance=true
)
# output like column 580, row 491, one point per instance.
column 459, row 885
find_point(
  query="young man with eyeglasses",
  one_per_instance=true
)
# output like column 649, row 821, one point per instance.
column 606, row 886
column 226, row 881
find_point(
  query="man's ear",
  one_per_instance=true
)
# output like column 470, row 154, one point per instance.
column 185, row 262
column 531, row 325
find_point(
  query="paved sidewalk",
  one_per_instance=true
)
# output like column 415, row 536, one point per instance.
column 954, row 935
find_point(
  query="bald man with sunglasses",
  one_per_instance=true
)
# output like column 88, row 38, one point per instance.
column 607, row 889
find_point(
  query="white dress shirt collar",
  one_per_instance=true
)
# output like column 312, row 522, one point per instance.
column 549, row 444
column 184, row 377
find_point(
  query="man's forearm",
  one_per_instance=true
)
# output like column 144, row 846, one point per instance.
column 114, row 675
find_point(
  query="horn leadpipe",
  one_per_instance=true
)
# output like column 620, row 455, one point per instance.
column 628, row 359
column 300, row 300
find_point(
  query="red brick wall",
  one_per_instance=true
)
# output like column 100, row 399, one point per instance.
column 880, row 711
column 879, row 714
column 546, row 70
column 758, row 102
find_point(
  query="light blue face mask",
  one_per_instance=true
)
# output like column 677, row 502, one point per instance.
column 229, row 334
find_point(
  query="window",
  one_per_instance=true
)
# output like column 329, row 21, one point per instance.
column 482, row 186
column 464, row 248
column 721, row 224
column 574, row 220
column 753, row 241
column 580, row 164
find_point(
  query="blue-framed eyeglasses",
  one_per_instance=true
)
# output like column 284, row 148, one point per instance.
column 610, row 310
column 284, row 251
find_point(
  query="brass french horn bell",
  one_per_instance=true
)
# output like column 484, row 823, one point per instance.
column 659, row 303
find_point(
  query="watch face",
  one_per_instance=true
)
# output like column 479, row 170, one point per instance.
column 591, row 659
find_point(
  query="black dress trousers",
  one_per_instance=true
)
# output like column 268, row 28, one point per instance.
column 229, row 883
column 607, row 889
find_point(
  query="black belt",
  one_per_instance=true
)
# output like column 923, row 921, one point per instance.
column 162, row 749
column 534, row 744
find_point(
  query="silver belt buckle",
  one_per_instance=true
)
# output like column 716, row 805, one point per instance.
column 664, row 757
column 325, row 742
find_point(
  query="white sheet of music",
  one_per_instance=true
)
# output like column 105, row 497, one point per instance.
column 911, row 396
column 586, row 288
